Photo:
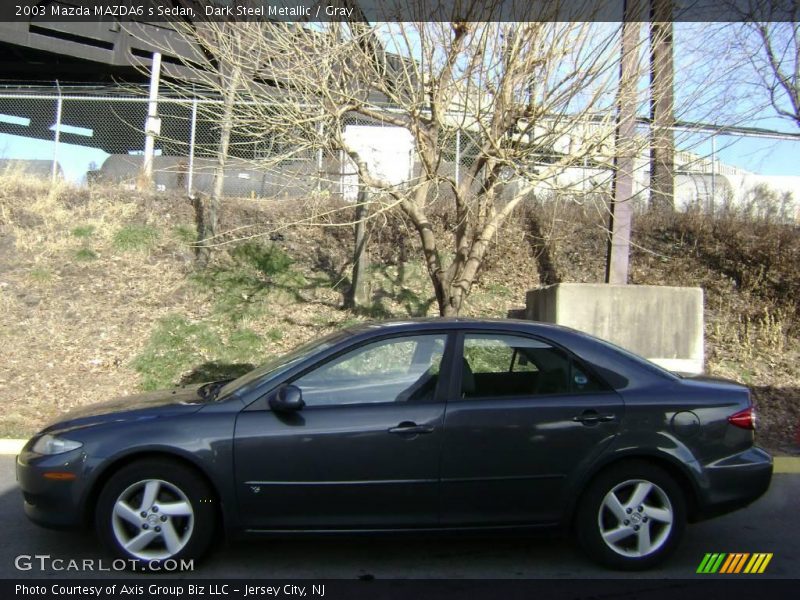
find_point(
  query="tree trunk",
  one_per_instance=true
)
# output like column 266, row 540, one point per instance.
column 448, row 310
column 358, row 295
column 199, row 206
column 215, row 201
column 443, row 290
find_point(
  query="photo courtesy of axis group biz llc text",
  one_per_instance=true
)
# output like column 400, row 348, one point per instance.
column 166, row 590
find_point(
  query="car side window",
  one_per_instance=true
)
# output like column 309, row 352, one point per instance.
column 496, row 365
column 402, row 369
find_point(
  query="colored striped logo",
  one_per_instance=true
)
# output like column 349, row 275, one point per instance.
column 736, row 562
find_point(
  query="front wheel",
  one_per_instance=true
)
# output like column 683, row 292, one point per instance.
column 155, row 510
column 631, row 516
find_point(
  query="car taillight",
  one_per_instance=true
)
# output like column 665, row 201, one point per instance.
column 746, row 419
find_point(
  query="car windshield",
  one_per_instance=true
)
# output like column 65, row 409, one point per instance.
column 280, row 363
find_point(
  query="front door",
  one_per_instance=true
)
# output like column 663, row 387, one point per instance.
column 362, row 453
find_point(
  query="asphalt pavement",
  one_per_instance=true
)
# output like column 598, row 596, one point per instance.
column 772, row 524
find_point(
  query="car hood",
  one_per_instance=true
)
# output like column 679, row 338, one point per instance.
column 139, row 406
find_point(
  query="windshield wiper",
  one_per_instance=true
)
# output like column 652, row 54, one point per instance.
column 209, row 391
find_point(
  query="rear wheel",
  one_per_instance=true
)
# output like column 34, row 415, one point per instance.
column 155, row 510
column 631, row 516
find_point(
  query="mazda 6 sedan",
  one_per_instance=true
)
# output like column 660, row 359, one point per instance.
column 422, row 426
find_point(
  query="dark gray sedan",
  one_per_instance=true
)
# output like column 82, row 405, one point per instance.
column 425, row 426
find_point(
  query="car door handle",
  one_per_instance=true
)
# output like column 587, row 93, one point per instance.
column 591, row 417
column 410, row 428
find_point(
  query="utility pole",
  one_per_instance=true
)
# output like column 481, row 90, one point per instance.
column 152, row 126
column 662, row 107
column 57, row 135
column 624, row 149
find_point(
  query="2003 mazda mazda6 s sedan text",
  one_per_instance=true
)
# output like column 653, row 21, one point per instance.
column 419, row 425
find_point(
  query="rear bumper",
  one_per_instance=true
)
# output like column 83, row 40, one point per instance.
column 735, row 482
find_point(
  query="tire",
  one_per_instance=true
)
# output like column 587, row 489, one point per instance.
column 631, row 517
column 178, row 507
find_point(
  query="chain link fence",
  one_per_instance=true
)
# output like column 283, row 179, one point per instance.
column 87, row 137
column 101, row 138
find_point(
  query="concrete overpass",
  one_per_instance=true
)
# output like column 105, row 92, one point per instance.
column 92, row 52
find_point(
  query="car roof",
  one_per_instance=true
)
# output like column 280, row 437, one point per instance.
column 424, row 323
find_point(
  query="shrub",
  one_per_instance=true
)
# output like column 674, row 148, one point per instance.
column 186, row 234
column 83, row 231
column 85, row 254
column 135, row 238
column 175, row 345
column 269, row 259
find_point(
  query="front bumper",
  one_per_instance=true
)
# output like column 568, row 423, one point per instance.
column 50, row 502
column 735, row 482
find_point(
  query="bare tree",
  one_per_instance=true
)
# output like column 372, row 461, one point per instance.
column 757, row 62
column 773, row 50
column 219, row 63
column 529, row 99
column 232, row 61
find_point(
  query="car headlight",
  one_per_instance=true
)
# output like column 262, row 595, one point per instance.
column 50, row 444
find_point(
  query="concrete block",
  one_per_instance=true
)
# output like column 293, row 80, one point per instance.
column 663, row 324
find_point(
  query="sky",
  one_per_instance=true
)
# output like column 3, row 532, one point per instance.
column 713, row 74
column 762, row 156
column 74, row 160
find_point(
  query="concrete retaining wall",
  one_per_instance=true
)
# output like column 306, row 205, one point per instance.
column 663, row 324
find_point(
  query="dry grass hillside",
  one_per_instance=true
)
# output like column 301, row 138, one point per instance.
column 99, row 296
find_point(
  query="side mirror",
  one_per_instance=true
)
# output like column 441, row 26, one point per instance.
column 287, row 399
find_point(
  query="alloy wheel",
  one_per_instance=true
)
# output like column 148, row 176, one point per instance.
column 635, row 518
column 153, row 519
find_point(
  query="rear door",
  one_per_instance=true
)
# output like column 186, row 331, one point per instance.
column 523, row 416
